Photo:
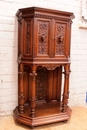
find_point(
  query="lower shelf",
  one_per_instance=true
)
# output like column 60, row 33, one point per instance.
column 45, row 114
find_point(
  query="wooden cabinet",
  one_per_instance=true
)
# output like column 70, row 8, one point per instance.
column 43, row 57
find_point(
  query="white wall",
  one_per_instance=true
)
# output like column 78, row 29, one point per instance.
column 8, row 51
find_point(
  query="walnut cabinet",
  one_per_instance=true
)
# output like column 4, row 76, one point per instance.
column 43, row 58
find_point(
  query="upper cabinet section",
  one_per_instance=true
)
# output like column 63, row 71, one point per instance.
column 44, row 33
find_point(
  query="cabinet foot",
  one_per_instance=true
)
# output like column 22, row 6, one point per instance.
column 32, row 127
column 65, row 121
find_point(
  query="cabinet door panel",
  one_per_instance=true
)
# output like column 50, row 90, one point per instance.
column 61, row 42
column 43, row 40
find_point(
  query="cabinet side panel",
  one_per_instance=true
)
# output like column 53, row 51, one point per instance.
column 27, row 38
column 68, row 38
column 19, row 37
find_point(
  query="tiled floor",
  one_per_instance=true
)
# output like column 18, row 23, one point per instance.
column 78, row 121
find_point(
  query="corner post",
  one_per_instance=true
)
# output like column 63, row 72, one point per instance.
column 33, row 91
column 66, row 88
column 21, row 90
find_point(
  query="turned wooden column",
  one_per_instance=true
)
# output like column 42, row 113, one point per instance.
column 33, row 95
column 66, row 87
column 21, row 92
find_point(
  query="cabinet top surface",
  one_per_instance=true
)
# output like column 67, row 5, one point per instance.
column 34, row 10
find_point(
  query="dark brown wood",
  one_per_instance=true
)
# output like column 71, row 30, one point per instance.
column 43, row 52
column 66, row 88
column 33, row 94
column 21, row 89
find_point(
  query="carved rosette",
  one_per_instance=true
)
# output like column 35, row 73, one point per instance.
column 41, row 83
column 60, row 34
column 43, row 37
column 28, row 37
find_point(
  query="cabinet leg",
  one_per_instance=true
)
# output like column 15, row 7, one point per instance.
column 21, row 91
column 66, row 88
column 32, row 112
column 33, row 92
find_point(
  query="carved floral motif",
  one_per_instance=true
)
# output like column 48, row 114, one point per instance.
column 28, row 37
column 43, row 37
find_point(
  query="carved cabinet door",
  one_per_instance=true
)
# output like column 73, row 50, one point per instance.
column 42, row 37
column 61, row 39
